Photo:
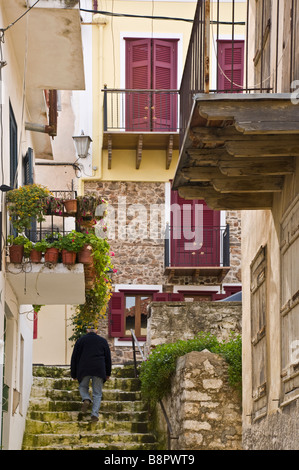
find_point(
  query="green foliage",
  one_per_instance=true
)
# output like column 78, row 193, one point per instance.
column 25, row 204
column 73, row 241
column 21, row 240
column 157, row 370
column 96, row 299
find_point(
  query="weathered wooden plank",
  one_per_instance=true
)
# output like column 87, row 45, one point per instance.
column 139, row 151
column 248, row 185
column 169, row 152
column 109, row 152
column 257, row 166
column 268, row 127
column 235, row 201
column 264, row 148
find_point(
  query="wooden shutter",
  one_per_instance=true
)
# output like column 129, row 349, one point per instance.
column 160, row 297
column 290, row 302
column 176, row 297
column 206, row 255
column 164, row 77
column 116, row 314
column 138, row 76
column 230, row 65
column 258, row 271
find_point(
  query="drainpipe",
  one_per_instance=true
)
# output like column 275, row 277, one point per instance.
column 51, row 128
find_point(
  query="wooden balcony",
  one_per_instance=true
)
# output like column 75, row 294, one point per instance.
column 238, row 149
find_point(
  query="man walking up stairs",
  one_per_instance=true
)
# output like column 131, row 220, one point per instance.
column 55, row 420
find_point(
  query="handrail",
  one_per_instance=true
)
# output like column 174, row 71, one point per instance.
column 169, row 427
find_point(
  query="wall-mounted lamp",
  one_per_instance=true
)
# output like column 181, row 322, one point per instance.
column 82, row 143
column 4, row 188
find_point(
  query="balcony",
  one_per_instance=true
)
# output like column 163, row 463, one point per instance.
column 209, row 256
column 49, row 281
column 141, row 119
column 238, row 142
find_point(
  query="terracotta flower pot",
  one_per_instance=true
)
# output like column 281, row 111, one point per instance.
column 70, row 206
column 68, row 257
column 16, row 253
column 51, row 255
column 84, row 256
column 35, row 256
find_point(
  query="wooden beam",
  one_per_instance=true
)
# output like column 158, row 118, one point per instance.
column 109, row 146
column 259, row 184
column 257, row 166
column 169, row 152
column 235, row 201
column 270, row 147
column 139, row 151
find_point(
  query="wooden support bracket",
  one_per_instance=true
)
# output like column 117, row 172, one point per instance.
column 139, row 151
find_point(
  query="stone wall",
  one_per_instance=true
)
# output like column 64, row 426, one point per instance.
column 139, row 243
column 171, row 321
column 204, row 410
column 278, row 431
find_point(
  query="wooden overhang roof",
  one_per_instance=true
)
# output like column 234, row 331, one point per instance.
column 237, row 149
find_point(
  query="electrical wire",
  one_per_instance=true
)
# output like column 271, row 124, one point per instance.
column 151, row 17
column 18, row 19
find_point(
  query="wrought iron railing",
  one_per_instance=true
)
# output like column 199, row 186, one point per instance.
column 140, row 110
column 209, row 246
column 53, row 224
column 270, row 47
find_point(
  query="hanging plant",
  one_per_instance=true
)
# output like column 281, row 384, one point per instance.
column 26, row 203
column 90, row 207
column 96, row 297
column 54, row 206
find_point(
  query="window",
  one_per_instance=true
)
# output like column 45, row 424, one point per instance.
column 290, row 302
column 191, row 246
column 151, row 64
column 230, row 58
column 13, row 139
column 129, row 311
column 258, row 333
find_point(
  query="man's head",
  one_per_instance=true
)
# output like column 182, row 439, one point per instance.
column 92, row 328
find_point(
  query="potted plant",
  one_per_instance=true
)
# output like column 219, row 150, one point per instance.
column 70, row 205
column 90, row 209
column 27, row 203
column 37, row 251
column 52, row 248
column 19, row 246
column 70, row 245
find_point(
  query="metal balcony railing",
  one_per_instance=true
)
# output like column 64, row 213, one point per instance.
column 53, row 224
column 269, row 47
column 210, row 248
column 140, row 110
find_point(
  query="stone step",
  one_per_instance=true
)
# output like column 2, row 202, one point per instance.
column 71, row 395
column 116, row 446
column 82, row 426
column 55, row 420
column 60, row 416
column 84, row 438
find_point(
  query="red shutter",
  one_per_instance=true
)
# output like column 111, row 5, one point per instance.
column 164, row 108
column 160, row 297
column 116, row 314
column 177, row 297
column 138, row 76
column 183, row 225
column 230, row 70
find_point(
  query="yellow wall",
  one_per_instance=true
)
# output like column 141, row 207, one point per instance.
column 109, row 69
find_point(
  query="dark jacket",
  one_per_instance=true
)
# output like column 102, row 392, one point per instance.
column 91, row 356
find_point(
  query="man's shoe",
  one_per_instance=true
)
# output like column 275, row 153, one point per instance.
column 85, row 406
column 94, row 419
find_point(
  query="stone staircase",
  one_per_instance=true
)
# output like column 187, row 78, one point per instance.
column 55, row 421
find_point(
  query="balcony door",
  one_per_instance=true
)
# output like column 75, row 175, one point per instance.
column 194, row 234
column 151, row 64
